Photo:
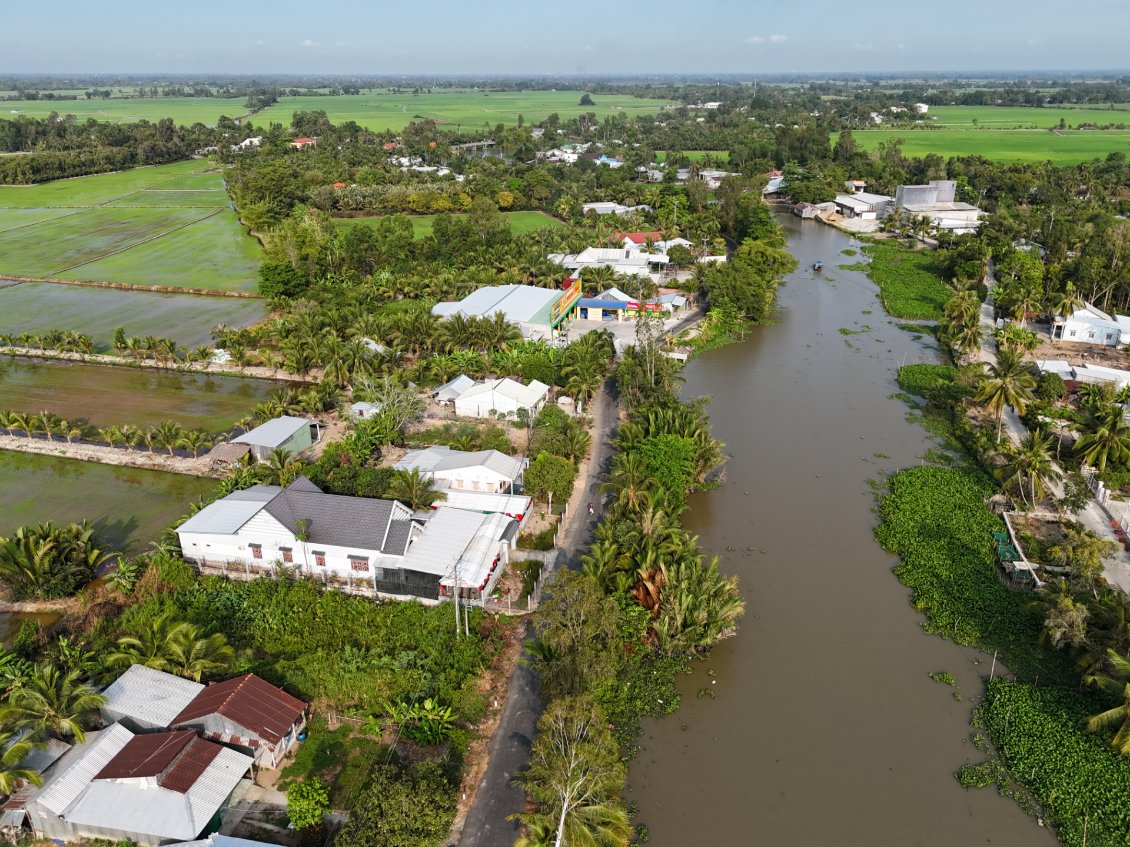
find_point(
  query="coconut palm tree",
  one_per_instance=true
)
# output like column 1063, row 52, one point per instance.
column 1117, row 684
column 283, row 468
column 1065, row 304
column 1106, row 438
column 52, row 703
column 414, row 490
column 152, row 645
column 193, row 655
column 1029, row 468
column 13, row 774
column 1008, row 383
column 195, row 440
column 168, row 434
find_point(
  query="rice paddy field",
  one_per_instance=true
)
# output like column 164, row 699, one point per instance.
column 1003, row 145
column 169, row 225
column 183, row 110
column 456, row 109
column 1022, row 117
column 188, row 319
column 128, row 507
column 696, row 155
column 520, row 222
column 139, row 396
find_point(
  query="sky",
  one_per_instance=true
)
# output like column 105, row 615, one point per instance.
column 578, row 37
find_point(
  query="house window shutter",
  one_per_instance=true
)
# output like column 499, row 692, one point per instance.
column 256, row 551
column 320, row 559
column 359, row 564
column 287, row 554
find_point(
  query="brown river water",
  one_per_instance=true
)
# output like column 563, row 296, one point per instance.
column 825, row 728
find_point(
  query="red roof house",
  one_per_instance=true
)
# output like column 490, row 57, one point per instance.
column 303, row 142
column 249, row 713
column 339, row 185
column 639, row 238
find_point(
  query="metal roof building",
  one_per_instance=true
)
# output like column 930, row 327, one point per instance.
column 294, row 434
column 528, row 306
column 144, row 698
column 149, row 789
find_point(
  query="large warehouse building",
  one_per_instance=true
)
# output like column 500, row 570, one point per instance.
column 541, row 313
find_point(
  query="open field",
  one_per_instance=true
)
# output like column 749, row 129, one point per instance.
column 696, row 155
column 183, row 110
column 170, row 225
column 1012, row 117
column 520, row 222
column 187, row 319
column 1002, row 145
column 454, row 109
column 129, row 507
column 139, row 396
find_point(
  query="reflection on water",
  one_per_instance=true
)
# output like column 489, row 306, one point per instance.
column 826, row 729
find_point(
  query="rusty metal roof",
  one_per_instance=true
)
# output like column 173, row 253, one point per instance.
column 190, row 766
column 250, row 702
column 146, row 755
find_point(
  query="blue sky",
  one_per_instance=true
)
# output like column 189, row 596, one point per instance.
column 578, row 37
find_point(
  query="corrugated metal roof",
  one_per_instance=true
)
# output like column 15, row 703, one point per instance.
column 249, row 701
column 150, row 696
column 439, row 458
column 453, row 388
column 41, row 758
column 525, row 395
column 485, row 502
column 75, row 770
column 519, row 303
column 222, row 517
column 146, row 755
column 273, row 433
column 217, row 840
column 161, row 812
column 190, row 766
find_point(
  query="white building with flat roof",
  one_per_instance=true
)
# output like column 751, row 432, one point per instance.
column 1091, row 325
column 538, row 312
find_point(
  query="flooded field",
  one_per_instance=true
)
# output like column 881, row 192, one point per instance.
column 127, row 506
column 818, row 724
column 185, row 318
column 143, row 397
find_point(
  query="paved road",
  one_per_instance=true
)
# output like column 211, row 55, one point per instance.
column 497, row 797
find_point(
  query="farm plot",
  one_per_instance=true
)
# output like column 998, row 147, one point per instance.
column 453, row 109
column 422, row 225
column 137, row 396
column 35, row 307
column 183, row 110
column 1003, row 145
column 170, row 226
column 128, row 507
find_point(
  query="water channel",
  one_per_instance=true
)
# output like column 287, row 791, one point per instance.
column 824, row 728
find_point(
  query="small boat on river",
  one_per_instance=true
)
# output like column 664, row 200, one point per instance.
column 817, row 265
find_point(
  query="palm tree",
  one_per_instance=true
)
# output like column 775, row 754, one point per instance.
column 153, row 645
column 414, row 490
column 1107, row 438
column 1117, row 684
column 963, row 307
column 193, row 655
column 168, row 435
column 1064, row 305
column 13, row 774
column 583, row 378
column 1029, row 468
column 282, row 466
column 1008, row 383
column 195, row 440
column 52, row 703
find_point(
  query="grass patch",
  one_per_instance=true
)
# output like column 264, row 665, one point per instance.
column 520, row 222
column 1002, row 145
column 342, row 757
column 909, row 287
column 922, row 379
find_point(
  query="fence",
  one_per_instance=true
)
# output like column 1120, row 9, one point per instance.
column 372, row 588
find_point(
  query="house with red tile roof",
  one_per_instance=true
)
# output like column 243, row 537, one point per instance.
column 303, row 142
column 249, row 714
column 633, row 240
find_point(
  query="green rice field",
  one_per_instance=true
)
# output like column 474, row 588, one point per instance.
column 1002, row 145
column 139, row 396
column 1023, row 117
column 187, row 319
column 520, row 222
column 183, row 110
column 128, row 507
column 696, row 155
column 455, row 109
column 170, row 225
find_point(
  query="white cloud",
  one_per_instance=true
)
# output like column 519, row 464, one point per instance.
column 310, row 42
column 858, row 46
column 755, row 39
column 1032, row 42
column 900, row 46
column 778, row 39
column 260, row 43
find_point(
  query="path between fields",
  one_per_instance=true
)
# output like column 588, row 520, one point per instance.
column 497, row 797
column 139, row 243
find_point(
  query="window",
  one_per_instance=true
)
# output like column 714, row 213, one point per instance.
column 359, row 564
column 1109, row 336
column 256, row 551
column 320, row 559
column 287, row 554
column 1071, row 333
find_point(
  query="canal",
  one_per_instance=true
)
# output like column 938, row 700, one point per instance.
column 818, row 724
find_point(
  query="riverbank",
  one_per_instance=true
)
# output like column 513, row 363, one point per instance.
column 225, row 369
column 118, row 456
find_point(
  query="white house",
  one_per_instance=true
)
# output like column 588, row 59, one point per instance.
column 936, row 201
column 482, row 470
column 1091, row 325
column 362, row 410
column 921, row 108
column 356, row 540
column 633, row 262
column 503, row 396
column 151, row 789
column 610, row 208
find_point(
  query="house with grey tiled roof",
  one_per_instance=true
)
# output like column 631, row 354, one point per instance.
column 266, row 530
